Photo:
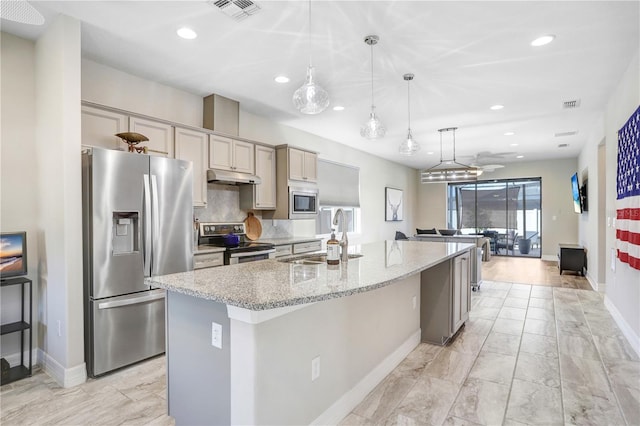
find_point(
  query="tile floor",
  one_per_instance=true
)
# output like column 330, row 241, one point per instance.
column 528, row 355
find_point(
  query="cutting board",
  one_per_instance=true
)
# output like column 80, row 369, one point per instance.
column 253, row 227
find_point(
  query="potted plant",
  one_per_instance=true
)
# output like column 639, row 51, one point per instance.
column 524, row 245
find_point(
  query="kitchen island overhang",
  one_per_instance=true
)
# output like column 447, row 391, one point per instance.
column 357, row 322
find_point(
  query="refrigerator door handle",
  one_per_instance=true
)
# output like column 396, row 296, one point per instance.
column 155, row 217
column 132, row 301
column 147, row 227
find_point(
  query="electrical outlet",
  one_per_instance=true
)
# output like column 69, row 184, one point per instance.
column 59, row 329
column 315, row 368
column 216, row 335
column 415, row 302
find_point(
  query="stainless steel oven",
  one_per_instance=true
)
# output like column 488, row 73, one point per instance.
column 232, row 237
column 303, row 203
column 251, row 256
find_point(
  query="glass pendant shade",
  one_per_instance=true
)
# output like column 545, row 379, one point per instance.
column 373, row 127
column 409, row 146
column 310, row 98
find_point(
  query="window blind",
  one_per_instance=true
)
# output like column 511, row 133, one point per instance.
column 338, row 184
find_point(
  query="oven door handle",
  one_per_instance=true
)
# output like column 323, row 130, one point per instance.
column 252, row 253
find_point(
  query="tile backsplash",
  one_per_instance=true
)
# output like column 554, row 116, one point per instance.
column 223, row 205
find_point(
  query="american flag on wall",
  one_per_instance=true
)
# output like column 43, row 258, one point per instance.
column 628, row 185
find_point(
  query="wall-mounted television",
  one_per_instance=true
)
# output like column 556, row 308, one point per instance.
column 575, row 191
column 13, row 254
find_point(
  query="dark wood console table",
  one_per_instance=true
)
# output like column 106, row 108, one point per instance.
column 571, row 257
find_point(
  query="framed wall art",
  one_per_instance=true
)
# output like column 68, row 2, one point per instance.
column 393, row 204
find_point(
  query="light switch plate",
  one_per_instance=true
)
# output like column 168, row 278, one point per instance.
column 216, row 335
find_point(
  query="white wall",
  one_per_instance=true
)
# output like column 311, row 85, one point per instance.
column 559, row 222
column 108, row 86
column 590, row 221
column 375, row 174
column 59, row 191
column 432, row 206
column 18, row 169
column 623, row 284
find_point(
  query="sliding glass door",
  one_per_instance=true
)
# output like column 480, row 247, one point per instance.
column 506, row 211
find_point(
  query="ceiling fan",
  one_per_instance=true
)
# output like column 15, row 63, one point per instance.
column 489, row 161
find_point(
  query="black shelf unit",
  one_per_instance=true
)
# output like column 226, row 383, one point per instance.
column 23, row 326
column 571, row 257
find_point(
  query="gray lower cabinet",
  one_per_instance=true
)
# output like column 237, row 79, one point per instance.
column 208, row 260
column 445, row 299
column 284, row 250
column 307, row 247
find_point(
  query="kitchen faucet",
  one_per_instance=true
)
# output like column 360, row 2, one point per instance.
column 344, row 242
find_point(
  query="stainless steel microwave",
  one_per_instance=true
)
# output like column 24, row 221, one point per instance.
column 303, row 203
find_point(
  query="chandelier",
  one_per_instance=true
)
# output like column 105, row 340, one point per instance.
column 373, row 128
column 409, row 146
column 310, row 98
column 450, row 170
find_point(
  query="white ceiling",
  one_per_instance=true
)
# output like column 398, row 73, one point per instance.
column 466, row 56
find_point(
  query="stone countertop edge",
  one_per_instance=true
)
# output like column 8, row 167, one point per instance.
column 238, row 290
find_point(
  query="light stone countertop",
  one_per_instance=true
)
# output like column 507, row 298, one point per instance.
column 269, row 284
column 287, row 240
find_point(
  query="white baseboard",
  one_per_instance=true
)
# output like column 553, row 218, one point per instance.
column 343, row 406
column 632, row 337
column 14, row 359
column 549, row 257
column 65, row 377
column 592, row 282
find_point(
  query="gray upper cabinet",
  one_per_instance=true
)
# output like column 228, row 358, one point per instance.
column 262, row 196
column 265, row 193
column 230, row 154
column 192, row 146
column 99, row 128
column 160, row 136
column 303, row 165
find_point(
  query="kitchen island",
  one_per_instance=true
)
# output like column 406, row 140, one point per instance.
column 274, row 342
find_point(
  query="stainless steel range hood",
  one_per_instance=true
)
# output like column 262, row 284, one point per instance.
column 232, row 178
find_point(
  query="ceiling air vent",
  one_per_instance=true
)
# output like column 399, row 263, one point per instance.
column 236, row 9
column 562, row 134
column 563, row 145
column 571, row 104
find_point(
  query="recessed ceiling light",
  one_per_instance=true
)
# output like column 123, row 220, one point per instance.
column 509, row 133
column 338, row 108
column 187, row 33
column 496, row 107
column 541, row 41
column 513, row 144
column 430, row 153
column 282, row 79
column 519, row 156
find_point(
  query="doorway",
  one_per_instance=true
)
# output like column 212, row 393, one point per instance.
column 508, row 211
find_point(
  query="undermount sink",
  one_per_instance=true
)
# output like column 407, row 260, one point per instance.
column 312, row 259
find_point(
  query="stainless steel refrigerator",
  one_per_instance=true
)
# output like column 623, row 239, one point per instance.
column 137, row 222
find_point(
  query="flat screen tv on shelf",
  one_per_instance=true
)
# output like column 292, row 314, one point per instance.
column 13, row 254
column 575, row 191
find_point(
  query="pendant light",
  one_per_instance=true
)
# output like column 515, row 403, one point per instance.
column 409, row 146
column 310, row 98
column 373, row 128
column 450, row 170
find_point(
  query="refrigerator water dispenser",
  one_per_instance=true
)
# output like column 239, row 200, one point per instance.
column 125, row 233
